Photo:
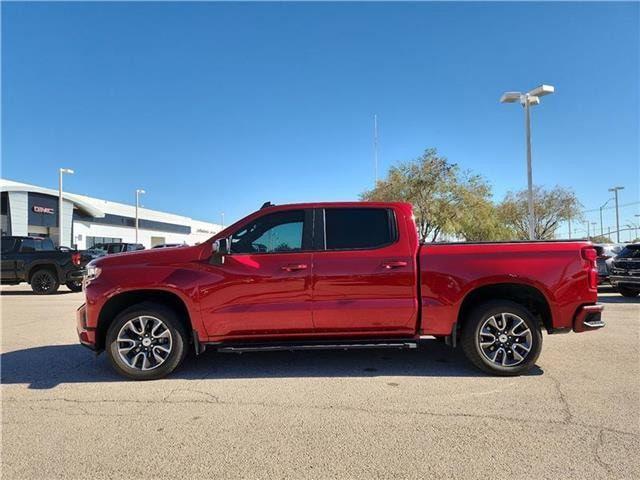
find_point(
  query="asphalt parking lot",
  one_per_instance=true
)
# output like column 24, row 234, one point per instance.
column 358, row 414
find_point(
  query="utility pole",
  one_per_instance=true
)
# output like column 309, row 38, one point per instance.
column 61, row 171
column 222, row 217
column 569, row 227
column 593, row 226
column 138, row 192
column 615, row 191
column 375, row 148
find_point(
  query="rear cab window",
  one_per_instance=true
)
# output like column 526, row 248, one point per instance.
column 359, row 228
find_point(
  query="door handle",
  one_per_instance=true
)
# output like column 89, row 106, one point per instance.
column 394, row 264
column 294, row 267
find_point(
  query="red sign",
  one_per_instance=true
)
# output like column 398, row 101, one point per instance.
column 47, row 210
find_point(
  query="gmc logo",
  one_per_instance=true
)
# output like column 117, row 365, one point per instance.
column 47, row 210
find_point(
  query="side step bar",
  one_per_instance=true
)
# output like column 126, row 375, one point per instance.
column 270, row 347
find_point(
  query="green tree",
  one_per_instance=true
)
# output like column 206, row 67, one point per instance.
column 551, row 207
column 445, row 200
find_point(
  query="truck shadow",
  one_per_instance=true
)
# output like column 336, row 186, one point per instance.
column 49, row 366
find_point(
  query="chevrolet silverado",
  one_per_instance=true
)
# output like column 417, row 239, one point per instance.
column 336, row 275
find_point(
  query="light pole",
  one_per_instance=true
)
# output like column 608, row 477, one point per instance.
column 615, row 191
column 138, row 192
column 222, row 217
column 532, row 97
column 61, row 171
column 569, row 227
column 637, row 215
column 603, row 205
column 593, row 228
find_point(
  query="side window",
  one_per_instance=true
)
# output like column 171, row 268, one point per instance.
column 47, row 244
column 8, row 244
column 28, row 245
column 358, row 228
column 273, row 233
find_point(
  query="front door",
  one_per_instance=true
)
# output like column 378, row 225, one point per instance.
column 364, row 274
column 263, row 288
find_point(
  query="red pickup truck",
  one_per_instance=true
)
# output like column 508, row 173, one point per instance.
column 336, row 275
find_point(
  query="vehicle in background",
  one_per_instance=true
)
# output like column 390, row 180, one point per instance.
column 38, row 262
column 336, row 276
column 101, row 249
column 606, row 253
column 170, row 245
column 625, row 271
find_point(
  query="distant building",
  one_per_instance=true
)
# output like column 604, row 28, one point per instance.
column 31, row 210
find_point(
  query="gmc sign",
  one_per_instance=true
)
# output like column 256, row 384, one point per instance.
column 47, row 210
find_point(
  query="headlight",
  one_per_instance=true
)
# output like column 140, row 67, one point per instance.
column 93, row 272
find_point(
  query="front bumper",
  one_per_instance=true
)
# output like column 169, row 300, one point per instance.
column 589, row 317
column 632, row 281
column 86, row 335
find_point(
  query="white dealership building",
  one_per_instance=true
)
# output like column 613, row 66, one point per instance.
column 32, row 210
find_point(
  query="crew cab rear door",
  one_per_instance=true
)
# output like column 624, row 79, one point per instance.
column 263, row 288
column 364, row 276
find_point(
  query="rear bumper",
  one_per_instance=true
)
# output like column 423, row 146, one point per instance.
column 589, row 317
column 76, row 275
column 86, row 335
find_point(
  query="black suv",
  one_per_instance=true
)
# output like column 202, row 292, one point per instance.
column 36, row 261
column 625, row 271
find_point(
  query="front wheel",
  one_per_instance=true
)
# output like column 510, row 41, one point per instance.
column 628, row 292
column 146, row 342
column 502, row 338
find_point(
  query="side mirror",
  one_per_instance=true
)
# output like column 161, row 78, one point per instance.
column 220, row 248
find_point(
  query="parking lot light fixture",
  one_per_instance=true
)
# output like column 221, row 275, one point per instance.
column 615, row 192
column 138, row 192
column 527, row 99
column 61, row 172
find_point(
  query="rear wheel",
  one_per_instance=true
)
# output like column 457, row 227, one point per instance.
column 44, row 282
column 74, row 286
column 628, row 292
column 146, row 342
column 502, row 338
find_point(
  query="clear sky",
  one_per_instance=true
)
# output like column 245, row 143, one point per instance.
column 216, row 107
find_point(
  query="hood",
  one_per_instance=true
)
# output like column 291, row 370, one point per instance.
column 156, row 256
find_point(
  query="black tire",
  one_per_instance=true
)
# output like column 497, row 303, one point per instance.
column 179, row 341
column 479, row 357
column 74, row 286
column 628, row 292
column 44, row 282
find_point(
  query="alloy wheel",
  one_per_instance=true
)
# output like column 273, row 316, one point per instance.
column 144, row 343
column 505, row 339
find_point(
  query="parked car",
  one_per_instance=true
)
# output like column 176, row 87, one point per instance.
column 625, row 271
column 36, row 261
column 606, row 254
column 170, row 245
column 336, row 275
column 101, row 249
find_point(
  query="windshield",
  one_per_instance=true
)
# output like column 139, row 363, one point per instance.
column 630, row 251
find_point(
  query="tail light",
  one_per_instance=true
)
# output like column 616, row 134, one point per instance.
column 590, row 255
column 75, row 259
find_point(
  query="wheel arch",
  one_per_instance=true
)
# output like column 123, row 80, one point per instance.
column 526, row 295
column 124, row 300
column 52, row 267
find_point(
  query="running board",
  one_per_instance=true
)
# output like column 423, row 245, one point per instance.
column 270, row 347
